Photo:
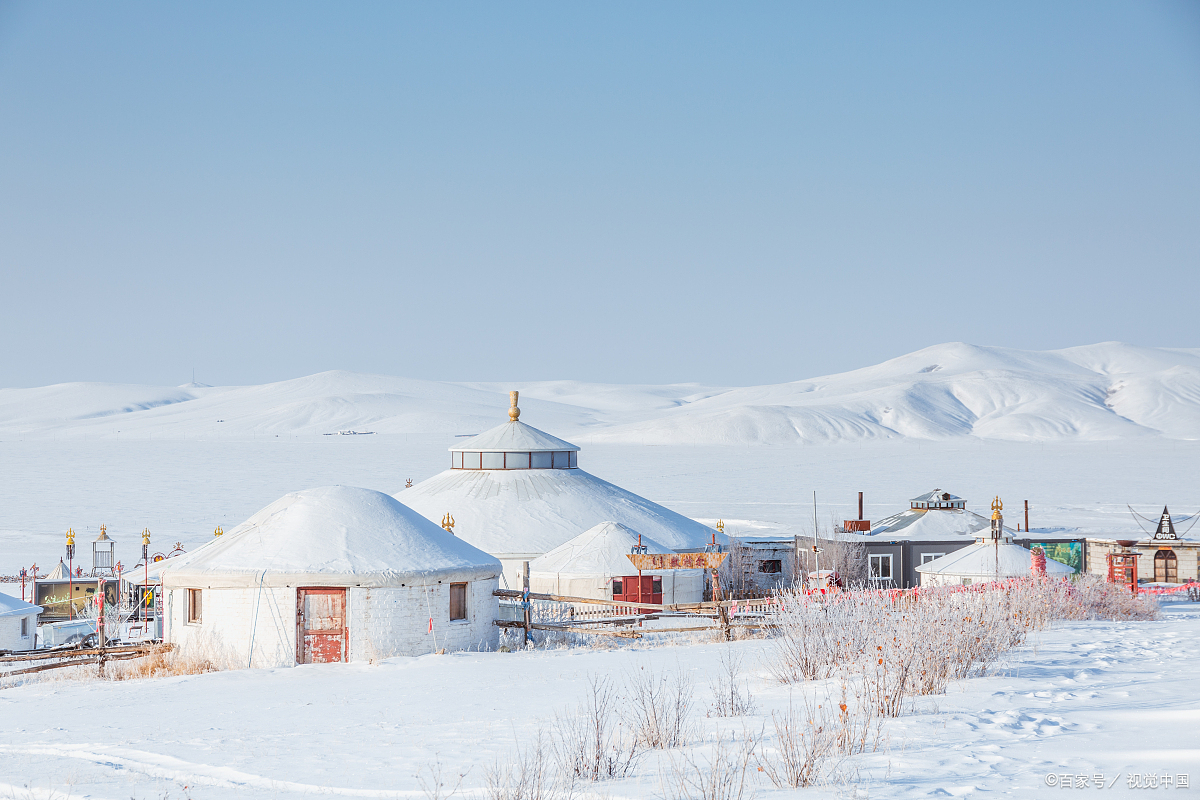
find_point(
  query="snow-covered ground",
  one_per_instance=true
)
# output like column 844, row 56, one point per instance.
column 1082, row 698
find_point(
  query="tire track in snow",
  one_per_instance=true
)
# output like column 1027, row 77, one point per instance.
column 186, row 772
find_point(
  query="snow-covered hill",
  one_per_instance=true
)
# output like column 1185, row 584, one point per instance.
column 1097, row 392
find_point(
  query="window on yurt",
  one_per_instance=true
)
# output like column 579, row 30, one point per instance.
column 656, row 584
column 541, row 461
column 618, row 587
column 470, row 460
column 458, row 601
column 516, row 460
column 24, row 627
column 195, row 605
column 493, row 460
column 456, row 461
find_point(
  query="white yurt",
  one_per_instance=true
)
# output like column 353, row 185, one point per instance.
column 993, row 556
column 587, row 565
column 18, row 623
column 517, row 492
column 331, row 574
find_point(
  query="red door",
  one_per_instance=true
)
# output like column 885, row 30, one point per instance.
column 321, row 626
column 650, row 590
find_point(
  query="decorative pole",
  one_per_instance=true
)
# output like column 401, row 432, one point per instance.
column 448, row 523
column 146, row 573
column 70, row 573
column 22, row 584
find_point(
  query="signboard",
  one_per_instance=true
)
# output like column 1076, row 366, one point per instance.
column 657, row 561
column 857, row 526
column 1166, row 528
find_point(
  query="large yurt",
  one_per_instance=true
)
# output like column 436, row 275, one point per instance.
column 331, row 574
column 18, row 624
column 596, row 564
column 993, row 556
column 517, row 492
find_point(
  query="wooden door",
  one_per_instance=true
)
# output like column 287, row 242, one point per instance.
column 1165, row 567
column 320, row 625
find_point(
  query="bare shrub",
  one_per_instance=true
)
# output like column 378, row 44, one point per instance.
column 661, row 705
column 528, row 776
column 435, row 787
column 723, row 775
column 164, row 662
column 731, row 697
column 804, row 742
column 592, row 745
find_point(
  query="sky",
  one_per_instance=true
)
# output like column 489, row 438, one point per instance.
column 731, row 194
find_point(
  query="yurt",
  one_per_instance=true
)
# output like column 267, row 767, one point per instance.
column 517, row 492
column 993, row 556
column 331, row 574
column 596, row 564
column 18, row 623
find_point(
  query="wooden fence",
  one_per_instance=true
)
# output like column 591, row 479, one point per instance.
column 76, row 657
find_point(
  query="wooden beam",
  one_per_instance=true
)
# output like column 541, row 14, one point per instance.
column 42, row 655
column 504, row 623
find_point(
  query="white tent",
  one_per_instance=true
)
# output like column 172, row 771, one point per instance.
column 984, row 561
column 331, row 574
column 18, row 623
column 59, row 573
column 586, row 565
column 517, row 492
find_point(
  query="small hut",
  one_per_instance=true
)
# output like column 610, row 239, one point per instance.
column 331, row 574
column 596, row 564
column 993, row 556
column 18, row 623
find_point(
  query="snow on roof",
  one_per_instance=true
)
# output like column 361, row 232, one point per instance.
column 16, row 607
column 514, row 436
column 600, row 550
column 59, row 573
column 942, row 524
column 532, row 511
column 979, row 561
column 331, row 536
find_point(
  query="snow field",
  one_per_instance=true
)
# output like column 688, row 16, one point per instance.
column 1081, row 698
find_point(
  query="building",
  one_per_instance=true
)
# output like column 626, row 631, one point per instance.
column 517, row 492
column 993, row 556
column 596, row 564
column 331, row 574
column 934, row 525
column 18, row 624
column 1166, row 556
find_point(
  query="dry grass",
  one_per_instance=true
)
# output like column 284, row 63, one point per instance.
column 592, row 744
column 723, row 775
column 731, row 695
column 661, row 704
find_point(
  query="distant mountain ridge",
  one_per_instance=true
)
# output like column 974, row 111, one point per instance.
column 1095, row 392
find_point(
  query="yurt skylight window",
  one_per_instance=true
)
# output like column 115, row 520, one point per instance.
column 465, row 459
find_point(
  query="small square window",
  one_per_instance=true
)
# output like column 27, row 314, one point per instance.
column 772, row 566
column 24, row 627
column 618, row 587
column 881, row 568
column 927, row 557
column 458, row 601
column 195, row 606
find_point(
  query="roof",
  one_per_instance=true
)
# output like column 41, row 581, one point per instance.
column 59, row 573
column 16, row 607
column 514, row 436
column 940, row 524
column 331, row 536
column 533, row 511
column 937, row 495
column 600, row 550
column 980, row 559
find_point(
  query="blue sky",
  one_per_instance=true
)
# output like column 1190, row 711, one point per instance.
column 620, row 192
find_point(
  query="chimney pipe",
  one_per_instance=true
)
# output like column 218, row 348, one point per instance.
column 1027, row 516
column 860, row 516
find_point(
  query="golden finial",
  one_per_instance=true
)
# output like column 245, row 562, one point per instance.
column 448, row 523
column 513, row 412
column 408, row 484
column 997, row 507
column 217, row 531
column 145, row 536
column 70, row 536
column 721, row 526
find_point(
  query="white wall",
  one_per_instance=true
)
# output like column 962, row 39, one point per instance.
column 10, row 632
column 383, row 623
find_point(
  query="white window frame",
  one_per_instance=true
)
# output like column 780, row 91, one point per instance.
column 878, row 558
column 927, row 557
column 190, row 615
column 24, row 627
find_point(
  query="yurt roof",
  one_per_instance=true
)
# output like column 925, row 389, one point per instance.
column 16, row 607
column 59, row 573
column 941, row 524
column 936, row 496
column 979, row 561
column 331, row 536
column 533, row 511
column 600, row 550
column 514, row 436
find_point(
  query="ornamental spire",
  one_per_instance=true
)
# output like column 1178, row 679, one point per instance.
column 513, row 412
